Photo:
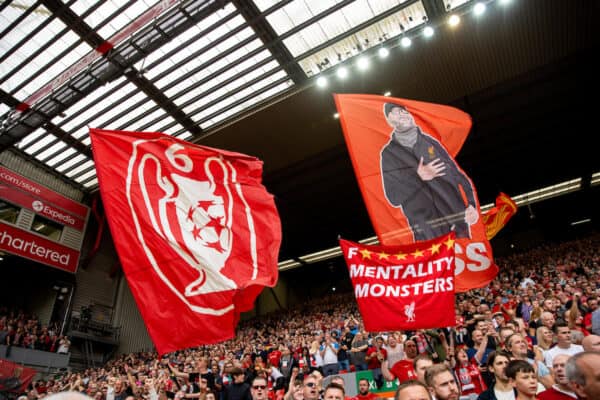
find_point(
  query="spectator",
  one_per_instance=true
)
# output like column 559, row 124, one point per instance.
column 363, row 391
column 259, row 389
column 238, row 389
column 403, row 369
column 591, row 343
column 523, row 378
column 420, row 365
column 412, row 390
column 311, row 387
column 563, row 344
column 517, row 346
column 544, row 339
column 582, row 370
column 468, row 374
column 64, row 345
column 441, row 383
column 358, row 352
column 334, row 391
column 502, row 388
column 376, row 354
column 561, row 389
column 329, row 350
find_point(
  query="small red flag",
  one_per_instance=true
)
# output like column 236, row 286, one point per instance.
column 397, row 287
column 402, row 153
column 497, row 217
column 197, row 233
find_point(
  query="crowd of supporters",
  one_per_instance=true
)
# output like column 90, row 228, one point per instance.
column 541, row 308
column 20, row 329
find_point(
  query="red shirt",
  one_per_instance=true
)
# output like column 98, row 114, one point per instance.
column 403, row 370
column 274, row 357
column 553, row 394
column 469, row 378
column 374, row 362
column 368, row 396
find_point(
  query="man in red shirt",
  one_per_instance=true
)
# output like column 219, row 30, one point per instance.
column 363, row 390
column 561, row 390
column 376, row 354
column 274, row 356
column 403, row 369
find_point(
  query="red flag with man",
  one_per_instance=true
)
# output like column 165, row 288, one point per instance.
column 402, row 152
column 197, row 233
column 398, row 287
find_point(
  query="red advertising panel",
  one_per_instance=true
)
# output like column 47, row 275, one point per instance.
column 40, row 192
column 22, row 199
column 37, row 248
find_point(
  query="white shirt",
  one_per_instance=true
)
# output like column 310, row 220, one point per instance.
column 508, row 395
column 553, row 352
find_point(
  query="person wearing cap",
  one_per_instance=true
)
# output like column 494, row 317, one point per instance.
column 421, row 177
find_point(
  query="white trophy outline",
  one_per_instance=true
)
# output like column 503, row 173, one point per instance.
column 208, row 277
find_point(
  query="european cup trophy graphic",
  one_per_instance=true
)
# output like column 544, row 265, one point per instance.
column 191, row 205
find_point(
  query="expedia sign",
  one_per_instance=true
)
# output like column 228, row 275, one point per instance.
column 55, row 214
column 20, row 240
column 43, row 207
column 40, row 192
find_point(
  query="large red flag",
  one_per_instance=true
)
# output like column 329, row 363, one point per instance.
column 197, row 233
column 403, row 287
column 402, row 152
column 497, row 217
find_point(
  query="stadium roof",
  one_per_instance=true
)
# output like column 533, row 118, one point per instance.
column 241, row 75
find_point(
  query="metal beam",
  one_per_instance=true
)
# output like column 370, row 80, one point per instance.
column 434, row 8
column 267, row 34
column 149, row 38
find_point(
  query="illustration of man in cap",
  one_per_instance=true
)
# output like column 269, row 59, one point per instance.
column 422, row 178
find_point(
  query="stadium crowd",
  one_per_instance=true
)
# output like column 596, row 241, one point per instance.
column 20, row 329
column 534, row 331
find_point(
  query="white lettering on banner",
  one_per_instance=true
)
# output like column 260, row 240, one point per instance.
column 58, row 215
column 19, row 182
column 436, row 285
column 33, row 248
column 416, row 270
column 476, row 252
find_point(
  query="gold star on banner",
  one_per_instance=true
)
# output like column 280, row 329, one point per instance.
column 449, row 243
column 417, row 253
column 383, row 255
column 400, row 256
column 365, row 253
column 435, row 248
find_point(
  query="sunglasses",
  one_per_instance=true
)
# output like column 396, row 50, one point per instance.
column 259, row 387
column 310, row 384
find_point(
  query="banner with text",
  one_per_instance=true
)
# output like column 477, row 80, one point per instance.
column 403, row 154
column 15, row 181
column 37, row 248
column 398, row 287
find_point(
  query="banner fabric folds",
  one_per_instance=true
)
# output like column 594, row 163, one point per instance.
column 197, row 233
column 402, row 153
column 14, row 378
column 404, row 287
